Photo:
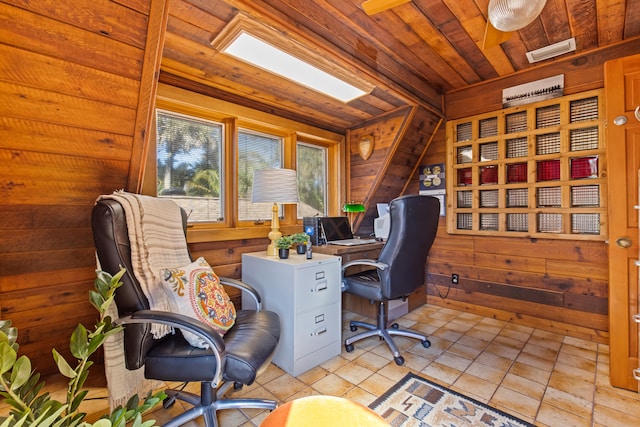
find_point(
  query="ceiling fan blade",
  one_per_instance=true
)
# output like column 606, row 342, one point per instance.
column 371, row 7
column 493, row 36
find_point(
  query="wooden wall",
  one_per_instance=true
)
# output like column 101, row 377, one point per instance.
column 77, row 81
column 558, row 285
column 73, row 112
column 401, row 139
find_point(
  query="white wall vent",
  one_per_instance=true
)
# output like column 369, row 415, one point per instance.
column 552, row 50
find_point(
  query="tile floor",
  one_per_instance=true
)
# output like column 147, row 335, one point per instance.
column 538, row 376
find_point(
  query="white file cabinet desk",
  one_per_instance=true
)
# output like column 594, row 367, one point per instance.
column 306, row 295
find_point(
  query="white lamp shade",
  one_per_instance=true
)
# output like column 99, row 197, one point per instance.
column 275, row 186
column 513, row 15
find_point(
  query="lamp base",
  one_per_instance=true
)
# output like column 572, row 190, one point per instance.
column 275, row 233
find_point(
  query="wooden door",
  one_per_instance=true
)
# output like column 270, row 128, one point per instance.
column 622, row 96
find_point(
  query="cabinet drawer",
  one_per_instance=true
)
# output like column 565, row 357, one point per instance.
column 316, row 329
column 317, row 286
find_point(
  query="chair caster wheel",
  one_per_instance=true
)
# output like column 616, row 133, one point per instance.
column 399, row 360
column 168, row 402
column 348, row 347
column 353, row 328
column 395, row 326
column 237, row 386
column 426, row 343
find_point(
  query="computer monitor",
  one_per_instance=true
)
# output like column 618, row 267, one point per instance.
column 382, row 223
column 383, row 209
column 336, row 228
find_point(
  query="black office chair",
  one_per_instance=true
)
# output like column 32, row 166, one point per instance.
column 399, row 269
column 235, row 359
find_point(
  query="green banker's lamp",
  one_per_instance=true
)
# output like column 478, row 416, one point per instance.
column 352, row 209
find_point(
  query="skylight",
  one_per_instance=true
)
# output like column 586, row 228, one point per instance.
column 261, row 54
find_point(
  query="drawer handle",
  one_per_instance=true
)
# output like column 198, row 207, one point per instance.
column 320, row 331
column 322, row 286
column 636, row 318
column 636, row 374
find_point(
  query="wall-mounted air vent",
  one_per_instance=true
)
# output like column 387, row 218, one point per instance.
column 542, row 89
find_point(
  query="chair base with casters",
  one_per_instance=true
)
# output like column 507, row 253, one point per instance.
column 384, row 332
column 208, row 403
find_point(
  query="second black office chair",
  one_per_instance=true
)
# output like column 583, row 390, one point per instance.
column 399, row 270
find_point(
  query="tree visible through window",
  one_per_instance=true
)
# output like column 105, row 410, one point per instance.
column 312, row 180
column 189, row 153
column 255, row 151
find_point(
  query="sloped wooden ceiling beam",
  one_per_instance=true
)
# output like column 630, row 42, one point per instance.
column 142, row 139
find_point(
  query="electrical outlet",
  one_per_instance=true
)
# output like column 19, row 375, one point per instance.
column 454, row 279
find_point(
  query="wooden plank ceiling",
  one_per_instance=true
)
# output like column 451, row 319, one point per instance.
column 412, row 54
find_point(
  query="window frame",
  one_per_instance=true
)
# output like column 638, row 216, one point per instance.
column 236, row 117
column 325, row 153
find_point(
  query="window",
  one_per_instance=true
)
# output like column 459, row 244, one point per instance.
column 534, row 170
column 255, row 151
column 261, row 46
column 189, row 153
column 312, row 179
column 259, row 53
column 208, row 149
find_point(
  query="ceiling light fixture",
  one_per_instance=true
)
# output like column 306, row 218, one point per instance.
column 552, row 50
column 513, row 15
column 259, row 53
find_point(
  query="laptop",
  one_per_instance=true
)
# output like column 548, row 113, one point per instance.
column 336, row 230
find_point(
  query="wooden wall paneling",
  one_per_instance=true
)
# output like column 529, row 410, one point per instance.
column 70, row 77
column 35, row 33
column 25, row 102
column 78, row 80
column 128, row 28
column 402, row 137
column 544, row 305
column 24, row 281
column 18, row 133
column 581, row 74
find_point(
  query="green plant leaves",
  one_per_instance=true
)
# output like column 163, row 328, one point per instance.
column 7, row 357
column 63, row 366
column 79, row 342
column 19, row 386
column 21, row 372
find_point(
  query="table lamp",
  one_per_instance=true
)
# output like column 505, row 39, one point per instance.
column 352, row 209
column 275, row 186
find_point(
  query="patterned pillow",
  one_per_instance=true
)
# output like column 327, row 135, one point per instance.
column 196, row 291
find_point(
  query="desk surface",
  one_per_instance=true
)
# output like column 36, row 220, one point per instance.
column 344, row 250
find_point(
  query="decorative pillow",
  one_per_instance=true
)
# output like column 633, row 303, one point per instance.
column 196, row 291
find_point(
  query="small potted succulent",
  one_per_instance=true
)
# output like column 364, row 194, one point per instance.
column 284, row 244
column 300, row 240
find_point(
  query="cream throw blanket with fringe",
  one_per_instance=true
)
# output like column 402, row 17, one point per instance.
column 157, row 241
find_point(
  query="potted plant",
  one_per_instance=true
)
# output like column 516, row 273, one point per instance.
column 300, row 240
column 20, row 385
column 284, row 244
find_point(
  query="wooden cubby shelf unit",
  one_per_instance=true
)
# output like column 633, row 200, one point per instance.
column 535, row 170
